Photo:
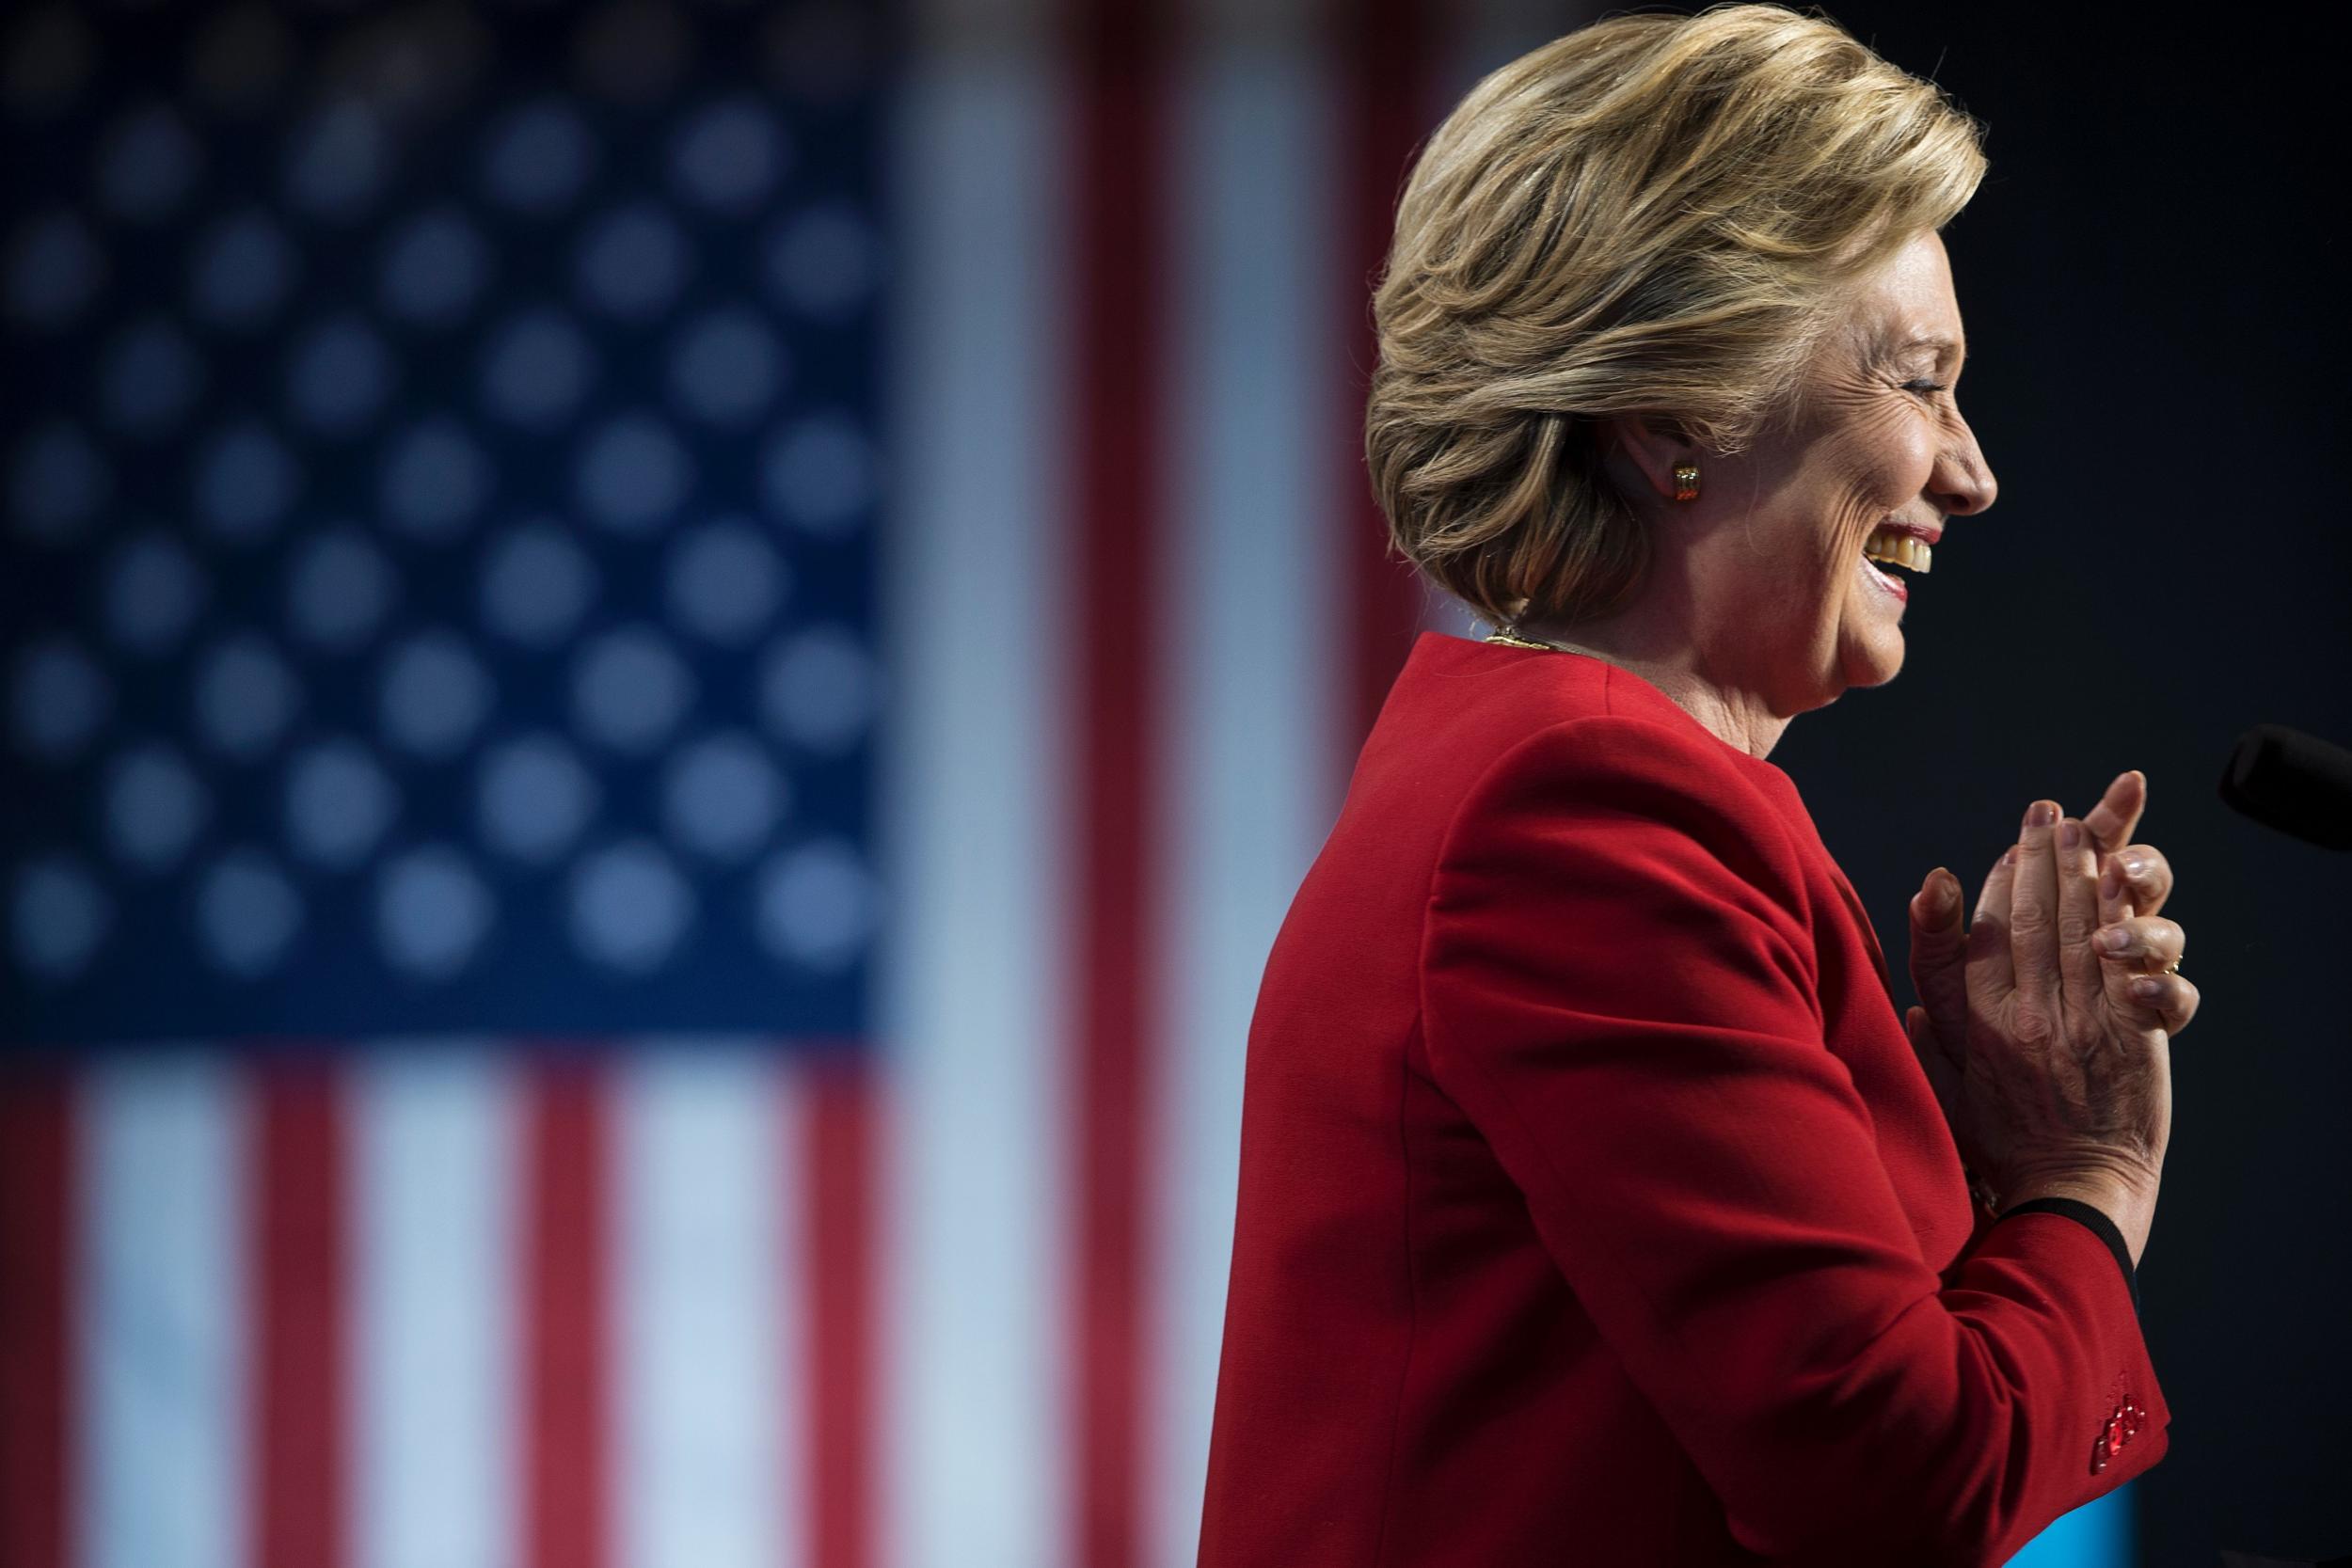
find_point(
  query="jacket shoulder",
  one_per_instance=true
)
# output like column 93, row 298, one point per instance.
column 1618, row 775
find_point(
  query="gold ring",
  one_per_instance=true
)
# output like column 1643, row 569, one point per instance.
column 2173, row 968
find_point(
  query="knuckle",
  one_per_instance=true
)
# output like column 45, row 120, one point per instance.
column 2075, row 929
column 2033, row 1025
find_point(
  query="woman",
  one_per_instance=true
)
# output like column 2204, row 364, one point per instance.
column 1595, row 1204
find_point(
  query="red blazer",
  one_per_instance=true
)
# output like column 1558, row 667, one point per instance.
column 1593, row 1207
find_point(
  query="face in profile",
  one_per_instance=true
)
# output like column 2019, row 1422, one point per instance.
column 1877, row 443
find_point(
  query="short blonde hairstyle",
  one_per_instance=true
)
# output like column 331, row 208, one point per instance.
column 1657, row 215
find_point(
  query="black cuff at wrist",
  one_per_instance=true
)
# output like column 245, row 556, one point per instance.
column 2100, row 1225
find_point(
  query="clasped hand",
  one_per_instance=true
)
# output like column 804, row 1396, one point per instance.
column 2047, row 1017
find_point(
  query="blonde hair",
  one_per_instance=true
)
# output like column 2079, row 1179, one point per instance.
column 1653, row 216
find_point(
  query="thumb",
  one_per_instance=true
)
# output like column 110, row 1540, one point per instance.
column 1942, row 1067
column 1939, row 947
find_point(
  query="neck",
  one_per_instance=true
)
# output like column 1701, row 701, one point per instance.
column 1660, row 648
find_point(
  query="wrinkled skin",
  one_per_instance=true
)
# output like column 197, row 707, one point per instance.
column 1757, row 607
column 2049, row 1064
column 2053, row 1070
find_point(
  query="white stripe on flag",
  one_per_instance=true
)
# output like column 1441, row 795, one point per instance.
column 706, row 1290
column 164, row 1474
column 434, row 1292
column 972, row 1006
column 1252, row 569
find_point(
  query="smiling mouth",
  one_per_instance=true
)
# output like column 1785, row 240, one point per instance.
column 1891, row 548
column 1897, row 547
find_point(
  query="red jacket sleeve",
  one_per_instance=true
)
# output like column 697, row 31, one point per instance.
column 1619, row 991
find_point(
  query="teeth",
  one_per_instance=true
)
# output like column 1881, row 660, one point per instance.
column 1900, row 548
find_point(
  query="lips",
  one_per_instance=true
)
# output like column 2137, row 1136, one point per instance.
column 1894, row 544
column 1884, row 581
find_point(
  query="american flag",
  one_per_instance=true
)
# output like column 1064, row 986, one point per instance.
column 666, row 666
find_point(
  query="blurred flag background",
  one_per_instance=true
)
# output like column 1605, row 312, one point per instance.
column 665, row 668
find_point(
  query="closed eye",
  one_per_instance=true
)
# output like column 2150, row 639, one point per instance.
column 1926, row 387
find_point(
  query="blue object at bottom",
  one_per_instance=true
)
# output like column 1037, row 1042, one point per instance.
column 2096, row 1535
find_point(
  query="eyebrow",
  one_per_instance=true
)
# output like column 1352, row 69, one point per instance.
column 1946, row 348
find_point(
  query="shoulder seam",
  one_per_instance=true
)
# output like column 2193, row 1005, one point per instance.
column 1787, row 841
column 1529, row 740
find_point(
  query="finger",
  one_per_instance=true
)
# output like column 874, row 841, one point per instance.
column 2115, row 894
column 2143, row 945
column 2033, row 911
column 2141, row 876
column 2083, row 978
column 1992, row 973
column 1992, row 899
column 2112, row 821
column 2165, row 1002
column 1939, row 945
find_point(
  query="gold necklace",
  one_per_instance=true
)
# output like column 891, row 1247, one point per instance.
column 1507, row 637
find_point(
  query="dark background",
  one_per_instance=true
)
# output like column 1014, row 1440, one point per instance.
column 2158, row 361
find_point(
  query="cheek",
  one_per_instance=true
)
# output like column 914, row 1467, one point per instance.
column 1883, row 463
column 1898, row 454
column 1915, row 460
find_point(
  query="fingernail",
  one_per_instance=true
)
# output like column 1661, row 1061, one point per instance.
column 2135, row 865
column 2040, row 814
column 2148, row 988
column 2008, row 856
column 2112, row 939
column 2070, row 834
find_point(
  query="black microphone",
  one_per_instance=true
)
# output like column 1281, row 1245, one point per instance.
column 2295, row 782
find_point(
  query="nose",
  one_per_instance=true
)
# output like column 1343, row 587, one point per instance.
column 1963, row 482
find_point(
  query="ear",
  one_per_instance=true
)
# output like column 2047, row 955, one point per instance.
column 1654, row 444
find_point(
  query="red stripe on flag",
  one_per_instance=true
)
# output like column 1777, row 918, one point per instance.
column 1120, row 191
column 839, row 1214
column 299, row 1316
column 1384, row 44
column 35, row 1323
column 566, row 1155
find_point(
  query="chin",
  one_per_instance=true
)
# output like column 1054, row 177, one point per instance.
column 1876, row 668
column 1874, row 658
